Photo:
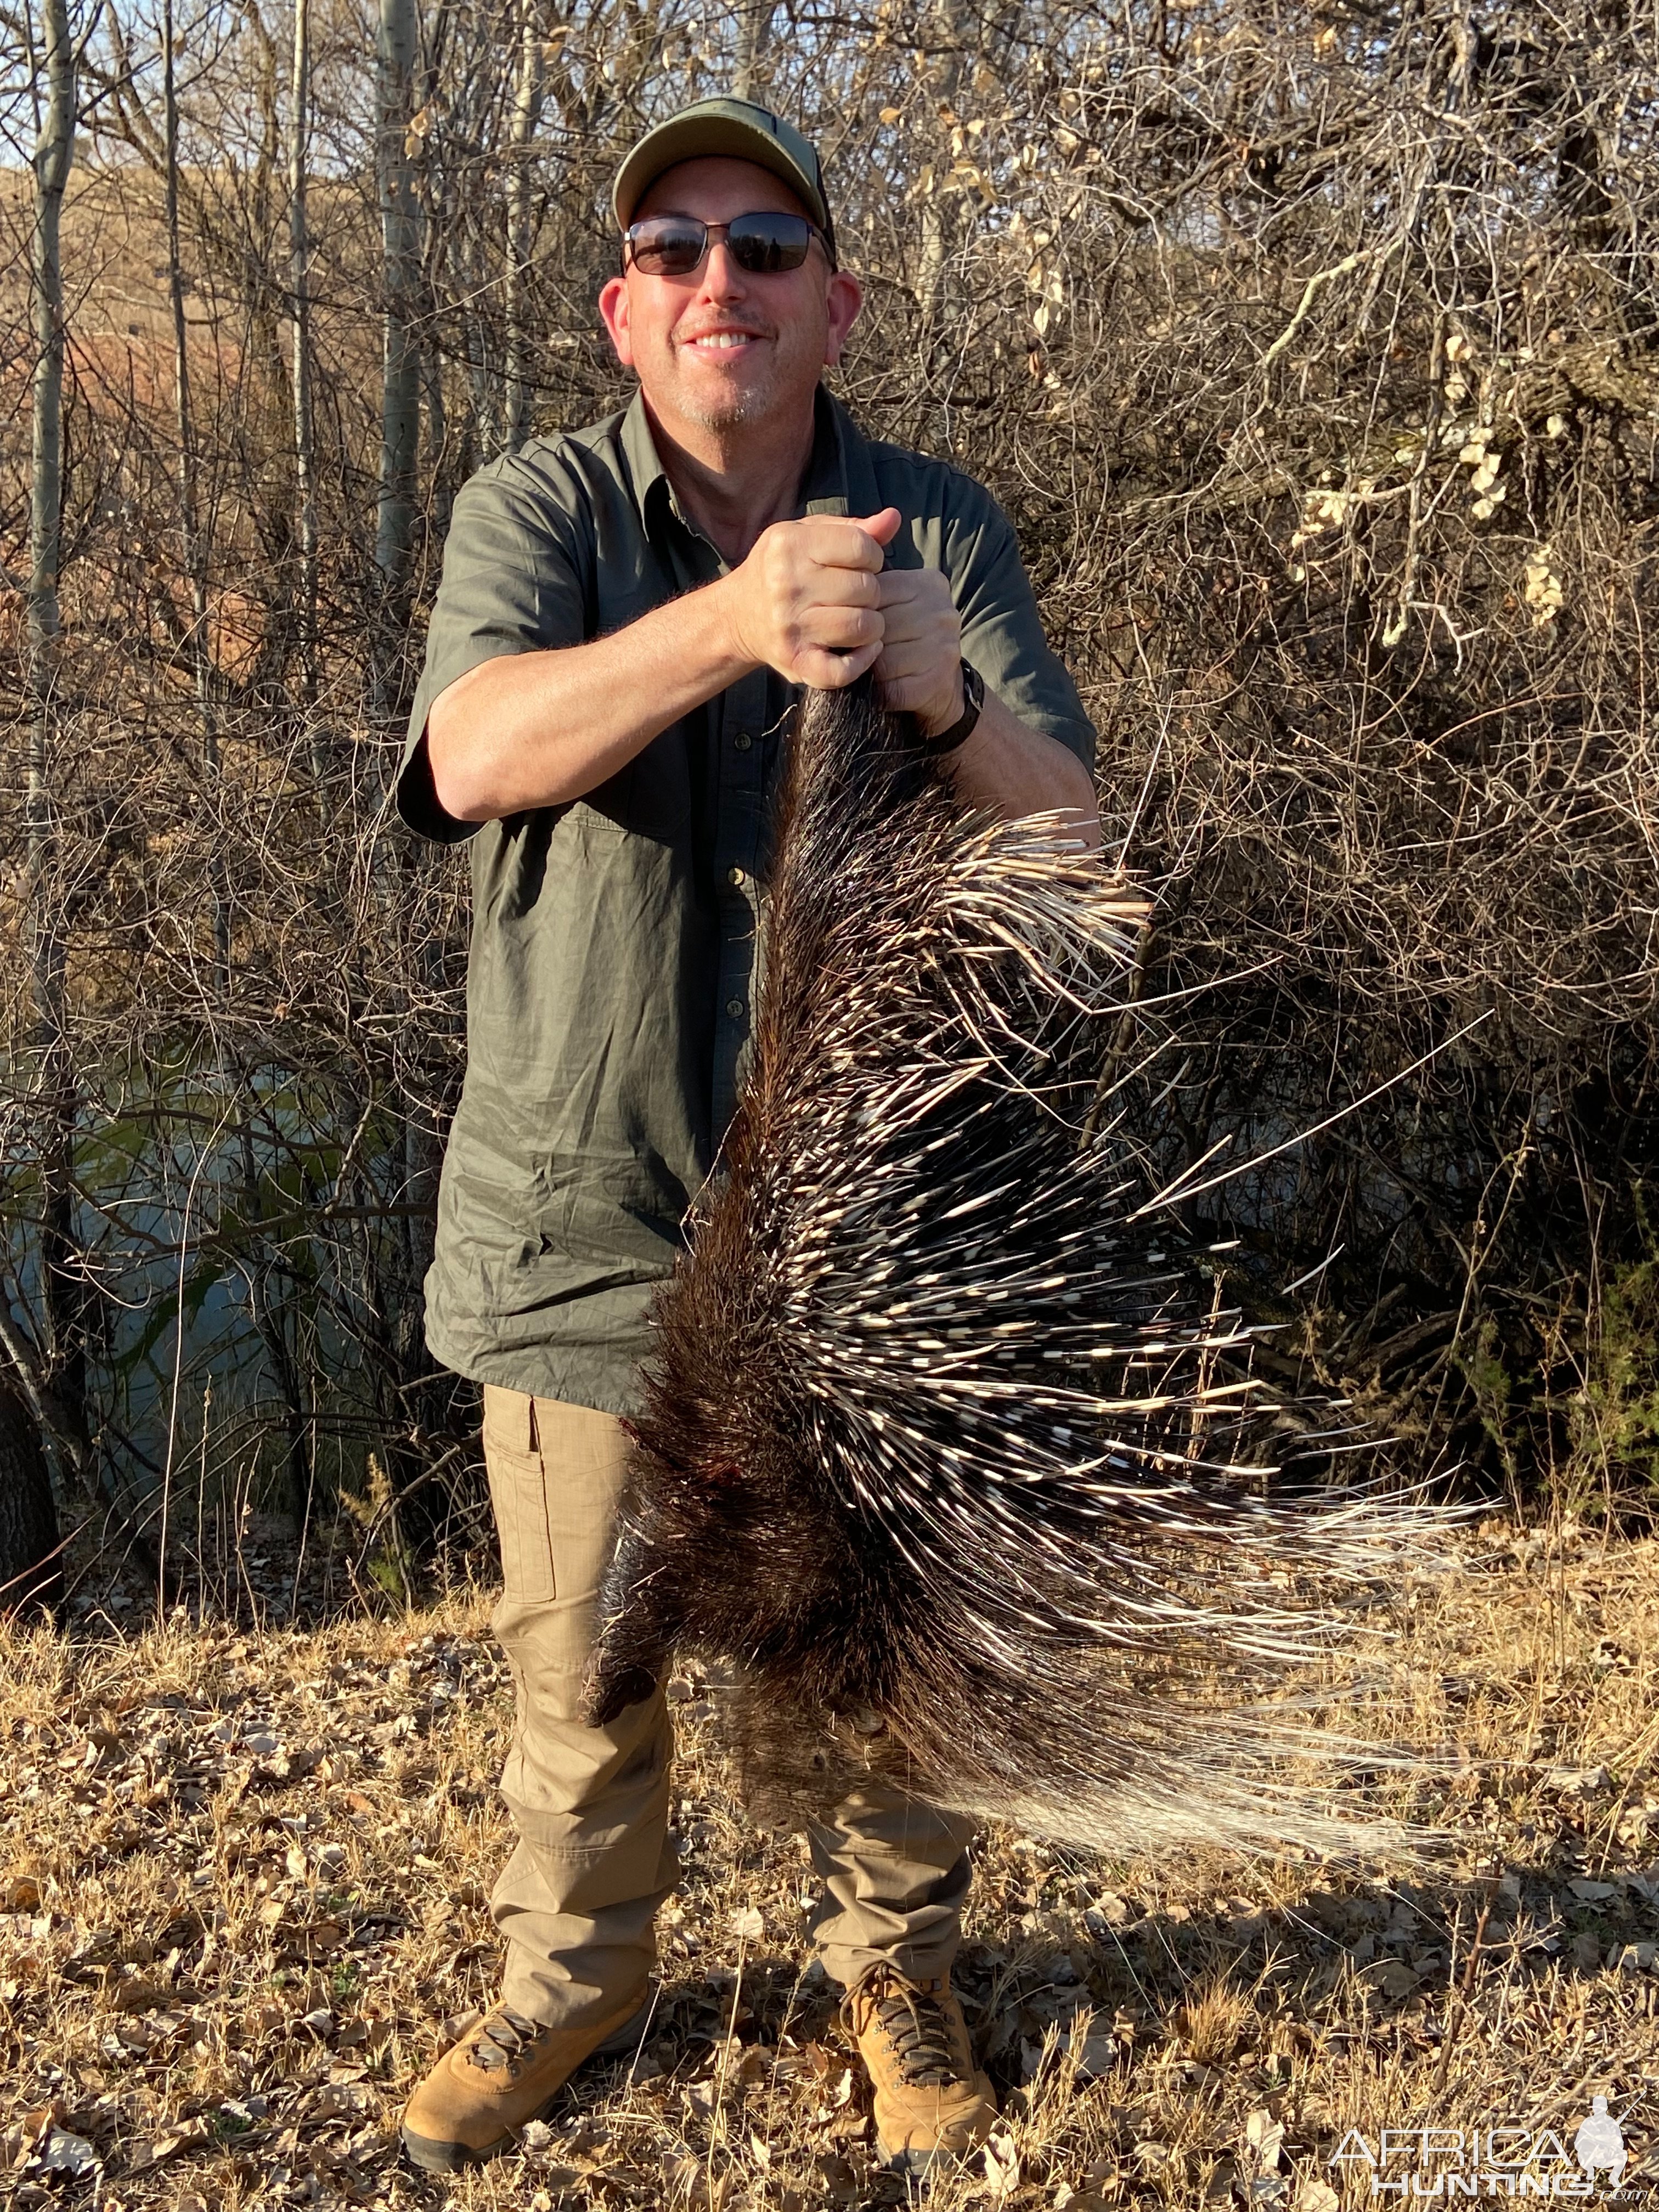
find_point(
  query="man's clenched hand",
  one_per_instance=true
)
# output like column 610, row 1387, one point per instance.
column 920, row 665
column 809, row 599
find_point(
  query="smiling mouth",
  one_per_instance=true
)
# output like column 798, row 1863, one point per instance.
column 723, row 340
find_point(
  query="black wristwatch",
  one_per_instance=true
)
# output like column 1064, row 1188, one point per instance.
column 972, row 701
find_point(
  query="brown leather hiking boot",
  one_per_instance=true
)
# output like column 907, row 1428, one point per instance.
column 502, row 2075
column 932, row 2101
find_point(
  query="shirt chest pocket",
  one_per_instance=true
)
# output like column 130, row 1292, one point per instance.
column 651, row 797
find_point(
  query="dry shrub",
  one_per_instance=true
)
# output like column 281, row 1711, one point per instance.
column 1317, row 364
column 1313, row 352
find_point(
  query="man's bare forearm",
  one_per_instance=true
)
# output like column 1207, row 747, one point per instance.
column 528, row 730
column 1014, row 770
column 538, row 729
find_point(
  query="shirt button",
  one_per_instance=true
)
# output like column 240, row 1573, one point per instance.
column 734, row 1008
column 743, row 741
column 734, row 875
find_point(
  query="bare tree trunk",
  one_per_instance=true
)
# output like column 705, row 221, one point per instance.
column 190, row 530
column 299, row 258
column 526, row 116
column 439, row 466
column 62, row 1290
column 400, row 375
column 754, row 34
column 51, row 162
column 31, row 1574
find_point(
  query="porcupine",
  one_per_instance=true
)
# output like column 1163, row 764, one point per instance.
column 935, row 1448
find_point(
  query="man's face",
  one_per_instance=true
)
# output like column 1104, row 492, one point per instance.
column 719, row 347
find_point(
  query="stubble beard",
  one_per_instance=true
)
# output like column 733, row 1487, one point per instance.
column 754, row 406
column 751, row 406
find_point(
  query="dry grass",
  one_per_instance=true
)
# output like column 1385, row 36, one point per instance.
column 245, row 1875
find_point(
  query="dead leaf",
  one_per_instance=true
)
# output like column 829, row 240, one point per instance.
column 687, row 2179
column 138, row 1997
column 62, row 2153
column 1266, row 2137
column 1316, row 2195
column 145, row 2155
column 1002, row 2163
column 1390, row 1977
column 1098, row 2057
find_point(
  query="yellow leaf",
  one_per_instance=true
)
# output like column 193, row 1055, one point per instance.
column 890, row 114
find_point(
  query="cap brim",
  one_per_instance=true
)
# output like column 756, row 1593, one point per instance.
column 699, row 137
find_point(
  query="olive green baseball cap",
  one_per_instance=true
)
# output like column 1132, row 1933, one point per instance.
column 739, row 131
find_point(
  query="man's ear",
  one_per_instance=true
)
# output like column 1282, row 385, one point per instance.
column 613, row 311
column 846, row 297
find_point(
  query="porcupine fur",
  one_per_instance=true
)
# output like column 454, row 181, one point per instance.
column 936, row 1450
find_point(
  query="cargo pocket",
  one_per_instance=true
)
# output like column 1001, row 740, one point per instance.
column 518, row 1495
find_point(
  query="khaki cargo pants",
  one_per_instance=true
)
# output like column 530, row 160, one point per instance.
column 593, row 1860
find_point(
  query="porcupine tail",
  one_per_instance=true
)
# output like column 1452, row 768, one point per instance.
column 948, row 1445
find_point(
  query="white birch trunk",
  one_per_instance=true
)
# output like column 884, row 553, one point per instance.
column 754, row 32
column 527, row 117
column 62, row 1397
column 52, row 155
column 299, row 260
column 192, row 540
column 400, row 244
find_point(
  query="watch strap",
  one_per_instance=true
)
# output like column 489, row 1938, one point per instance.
column 948, row 741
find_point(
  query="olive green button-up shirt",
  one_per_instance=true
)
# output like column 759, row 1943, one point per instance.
column 612, row 949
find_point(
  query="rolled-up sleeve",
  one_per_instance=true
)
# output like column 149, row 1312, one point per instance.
column 517, row 578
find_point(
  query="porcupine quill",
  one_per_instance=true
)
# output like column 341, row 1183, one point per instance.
column 937, row 1449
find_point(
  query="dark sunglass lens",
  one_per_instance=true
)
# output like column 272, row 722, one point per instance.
column 667, row 246
column 762, row 244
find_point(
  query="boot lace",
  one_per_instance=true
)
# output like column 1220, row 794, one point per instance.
column 504, row 2040
column 917, row 2026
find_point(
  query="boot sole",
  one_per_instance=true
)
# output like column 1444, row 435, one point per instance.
column 435, row 2157
column 918, row 2165
column 454, row 2158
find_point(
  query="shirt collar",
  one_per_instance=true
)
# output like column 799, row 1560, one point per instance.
column 838, row 451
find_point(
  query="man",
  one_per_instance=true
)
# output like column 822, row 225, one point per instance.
column 623, row 614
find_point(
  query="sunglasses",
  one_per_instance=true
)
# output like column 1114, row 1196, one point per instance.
column 761, row 245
